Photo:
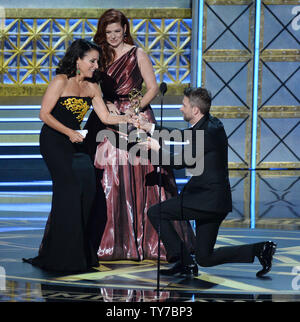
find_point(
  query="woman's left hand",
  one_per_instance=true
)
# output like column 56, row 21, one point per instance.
column 112, row 108
column 129, row 118
column 75, row 136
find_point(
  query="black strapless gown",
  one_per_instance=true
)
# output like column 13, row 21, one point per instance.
column 66, row 245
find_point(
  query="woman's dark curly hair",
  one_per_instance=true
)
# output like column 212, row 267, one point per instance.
column 78, row 49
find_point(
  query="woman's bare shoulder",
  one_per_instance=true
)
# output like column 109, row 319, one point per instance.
column 93, row 89
column 60, row 80
column 57, row 85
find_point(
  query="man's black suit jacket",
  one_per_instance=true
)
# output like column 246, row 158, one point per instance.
column 209, row 191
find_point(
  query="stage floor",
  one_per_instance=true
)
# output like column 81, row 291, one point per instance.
column 129, row 281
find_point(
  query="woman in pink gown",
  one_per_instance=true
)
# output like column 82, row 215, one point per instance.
column 129, row 189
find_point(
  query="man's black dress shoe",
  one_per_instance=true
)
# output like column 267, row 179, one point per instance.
column 265, row 257
column 181, row 270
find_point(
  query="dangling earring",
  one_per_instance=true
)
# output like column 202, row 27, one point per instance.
column 125, row 36
column 77, row 70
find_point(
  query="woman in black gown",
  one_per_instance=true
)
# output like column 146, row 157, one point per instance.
column 65, row 245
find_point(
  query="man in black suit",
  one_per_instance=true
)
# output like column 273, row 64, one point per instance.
column 206, row 198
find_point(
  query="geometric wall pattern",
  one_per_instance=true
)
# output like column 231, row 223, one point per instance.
column 228, row 51
column 279, row 100
column 227, row 69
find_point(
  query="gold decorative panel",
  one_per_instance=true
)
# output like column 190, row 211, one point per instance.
column 33, row 41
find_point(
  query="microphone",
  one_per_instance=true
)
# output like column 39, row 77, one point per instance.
column 163, row 88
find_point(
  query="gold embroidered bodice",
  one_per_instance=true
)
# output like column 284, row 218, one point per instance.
column 70, row 110
column 77, row 106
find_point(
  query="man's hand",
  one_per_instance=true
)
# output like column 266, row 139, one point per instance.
column 150, row 144
column 129, row 112
column 141, row 122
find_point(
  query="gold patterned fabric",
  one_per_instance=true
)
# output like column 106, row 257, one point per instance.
column 77, row 106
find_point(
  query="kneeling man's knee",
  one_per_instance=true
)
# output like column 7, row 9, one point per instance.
column 152, row 212
column 203, row 261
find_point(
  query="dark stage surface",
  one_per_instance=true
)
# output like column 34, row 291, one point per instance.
column 129, row 281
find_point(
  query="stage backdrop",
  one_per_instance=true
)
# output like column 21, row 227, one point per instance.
column 34, row 39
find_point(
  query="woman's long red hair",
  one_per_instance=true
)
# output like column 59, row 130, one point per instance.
column 108, row 17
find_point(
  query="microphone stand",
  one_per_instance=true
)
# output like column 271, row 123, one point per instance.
column 163, row 90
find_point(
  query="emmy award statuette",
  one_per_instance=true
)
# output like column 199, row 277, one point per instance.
column 135, row 97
